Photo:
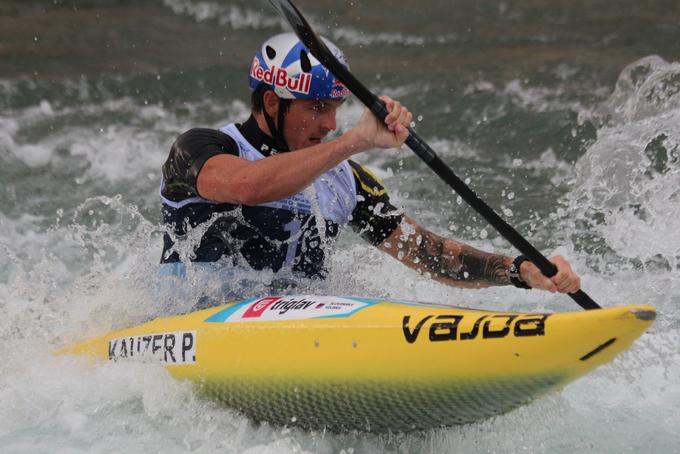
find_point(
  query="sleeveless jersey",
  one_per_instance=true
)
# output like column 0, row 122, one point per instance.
column 293, row 234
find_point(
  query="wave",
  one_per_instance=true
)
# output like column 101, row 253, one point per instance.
column 236, row 16
column 243, row 16
column 630, row 177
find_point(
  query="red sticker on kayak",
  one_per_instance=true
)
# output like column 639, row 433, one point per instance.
column 258, row 307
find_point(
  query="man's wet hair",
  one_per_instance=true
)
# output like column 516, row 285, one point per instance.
column 257, row 98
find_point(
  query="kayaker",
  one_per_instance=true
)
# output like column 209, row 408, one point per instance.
column 272, row 194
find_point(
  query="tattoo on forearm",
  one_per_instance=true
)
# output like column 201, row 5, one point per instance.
column 466, row 264
column 484, row 266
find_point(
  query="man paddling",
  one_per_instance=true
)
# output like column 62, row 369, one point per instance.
column 272, row 195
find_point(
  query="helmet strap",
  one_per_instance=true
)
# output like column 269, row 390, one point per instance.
column 284, row 104
column 277, row 132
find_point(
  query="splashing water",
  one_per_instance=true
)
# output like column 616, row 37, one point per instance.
column 630, row 177
column 80, row 224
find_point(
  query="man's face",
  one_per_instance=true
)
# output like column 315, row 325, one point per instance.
column 308, row 122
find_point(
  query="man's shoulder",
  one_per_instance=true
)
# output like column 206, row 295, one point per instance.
column 366, row 180
column 201, row 144
column 197, row 138
column 188, row 154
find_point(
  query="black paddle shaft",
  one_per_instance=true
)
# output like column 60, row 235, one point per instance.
column 319, row 49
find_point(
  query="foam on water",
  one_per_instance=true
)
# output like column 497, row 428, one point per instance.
column 237, row 16
column 629, row 180
column 82, row 263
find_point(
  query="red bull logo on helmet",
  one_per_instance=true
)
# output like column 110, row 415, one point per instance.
column 338, row 89
column 278, row 77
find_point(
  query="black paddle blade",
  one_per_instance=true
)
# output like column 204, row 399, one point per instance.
column 322, row 53
column 301, row 28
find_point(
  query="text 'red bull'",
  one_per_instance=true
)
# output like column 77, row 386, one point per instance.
column 278, row 77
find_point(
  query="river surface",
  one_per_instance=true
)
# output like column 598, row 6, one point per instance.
column 563, row 115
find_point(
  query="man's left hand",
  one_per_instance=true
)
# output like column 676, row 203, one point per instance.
column 565, row 281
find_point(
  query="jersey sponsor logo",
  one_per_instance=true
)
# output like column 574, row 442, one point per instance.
column 178, row 347
column 290, row 308
column 446, row 327
column 279, row 77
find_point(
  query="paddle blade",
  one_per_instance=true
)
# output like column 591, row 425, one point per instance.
column 322, row 53
column 301, row 27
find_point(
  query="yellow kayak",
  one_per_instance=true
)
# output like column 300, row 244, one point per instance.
column 342, row 363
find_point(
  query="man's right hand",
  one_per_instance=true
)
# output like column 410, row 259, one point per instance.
column 372, row 134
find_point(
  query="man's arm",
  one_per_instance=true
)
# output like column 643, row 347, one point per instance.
column 459, row 265
column 231, row 179
column 445, row 260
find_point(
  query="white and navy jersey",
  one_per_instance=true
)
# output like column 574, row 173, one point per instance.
column 294, row 233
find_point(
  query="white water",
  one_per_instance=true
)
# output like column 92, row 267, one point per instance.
column 75, row 262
